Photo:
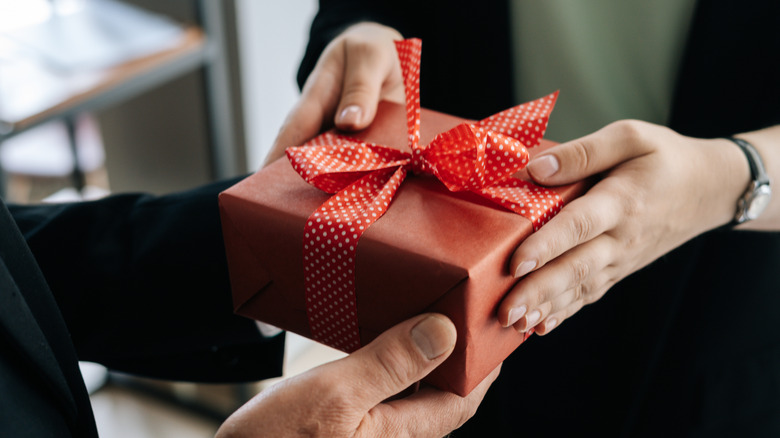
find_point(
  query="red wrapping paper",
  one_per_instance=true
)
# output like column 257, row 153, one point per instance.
column 478, row 157
column 432, row 251
column 385, row 247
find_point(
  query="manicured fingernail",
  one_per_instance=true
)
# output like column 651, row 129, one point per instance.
column 433, row 337
column 544, row 166
column 532, row 319
column 350, row 116
column 551, row 323
column 515, row 314
column 524, row 268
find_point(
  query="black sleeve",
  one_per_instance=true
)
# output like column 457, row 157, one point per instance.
column 143, row 286
column 728, row 78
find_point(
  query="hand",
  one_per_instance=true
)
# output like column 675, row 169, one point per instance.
column 355, row 71
column 345, row 398
column 659, row 190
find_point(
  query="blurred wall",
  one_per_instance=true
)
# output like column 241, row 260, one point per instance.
column 165, row 140
column 273, row 36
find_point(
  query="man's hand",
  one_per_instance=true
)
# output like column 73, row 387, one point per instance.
column 355, row 71
column 345, row 398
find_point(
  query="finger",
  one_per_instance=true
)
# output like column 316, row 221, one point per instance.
column 546, row 309
column 303, row 123
column 578, row 159
column 314, row 111
column 429, row 412
column 535, row 296
column 398, row 358
column 578, row 222
column 569, row 302
column 554, row 320
column 369, row 65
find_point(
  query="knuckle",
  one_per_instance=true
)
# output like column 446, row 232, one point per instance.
column 582, row 153
column 366, row 50
column 335, row 410
column 357, row 45
column 579, row 293
column 580, row 270
column 337, row 397
column 397, row 367
column 637, row 134
column 629, row 129
column 580, row 225
column 632, row 206
column 538, row 296
column 356, row 90
column 591, row 294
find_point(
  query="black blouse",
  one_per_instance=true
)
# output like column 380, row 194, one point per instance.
column 688, row 346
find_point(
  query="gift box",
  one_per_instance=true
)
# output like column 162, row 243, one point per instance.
column 433, row 250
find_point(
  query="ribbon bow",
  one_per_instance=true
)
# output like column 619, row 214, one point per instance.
column 364, row 177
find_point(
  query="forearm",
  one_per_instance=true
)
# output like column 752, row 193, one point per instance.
column 721, row 174
column 143, row 286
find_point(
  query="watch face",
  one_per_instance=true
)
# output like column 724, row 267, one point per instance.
column 758, row 203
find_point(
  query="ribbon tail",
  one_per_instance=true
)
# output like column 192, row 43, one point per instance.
column 525, row 123
column 409, row 51
column 535, row 203
column 332, row 161
column 329, row 246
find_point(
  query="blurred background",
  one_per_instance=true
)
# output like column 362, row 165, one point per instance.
column 108, row 96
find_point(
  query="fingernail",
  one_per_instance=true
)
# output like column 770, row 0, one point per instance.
column 350, row 116
column 544, row 166
column 532, row 319
column 551, row 323
column 524, row 268
column 515, row 314
column 433, row 337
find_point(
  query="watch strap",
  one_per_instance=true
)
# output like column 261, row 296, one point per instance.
column 757, row 170
column 758, row 175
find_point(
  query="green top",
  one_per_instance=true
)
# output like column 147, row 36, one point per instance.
column 611, row 59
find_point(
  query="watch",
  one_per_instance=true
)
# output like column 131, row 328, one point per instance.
column 755, row 199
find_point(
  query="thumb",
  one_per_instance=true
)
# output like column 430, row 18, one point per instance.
column 400, row 357
column 303, row 123
column 577, row 159
column 371, row 73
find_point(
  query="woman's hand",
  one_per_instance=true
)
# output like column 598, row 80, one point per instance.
column 659, row 189
column 345, row 398
column 355, row 71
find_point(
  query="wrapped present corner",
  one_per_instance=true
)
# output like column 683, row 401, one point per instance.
column 385, row 238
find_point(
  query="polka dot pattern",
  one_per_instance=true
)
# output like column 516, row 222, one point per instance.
column 364, row 178
column 469, row 157
column 535, row 203
column 526, row 122
column 338, row 160
column 409, row 52
column 330, row 239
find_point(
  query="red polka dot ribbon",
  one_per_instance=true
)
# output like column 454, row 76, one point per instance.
column 479, row 157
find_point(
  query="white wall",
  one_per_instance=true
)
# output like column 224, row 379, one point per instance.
column 273, row 36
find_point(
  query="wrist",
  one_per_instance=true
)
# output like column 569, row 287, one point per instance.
column 729, row 176
column 765, row 143
column 756, row 197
